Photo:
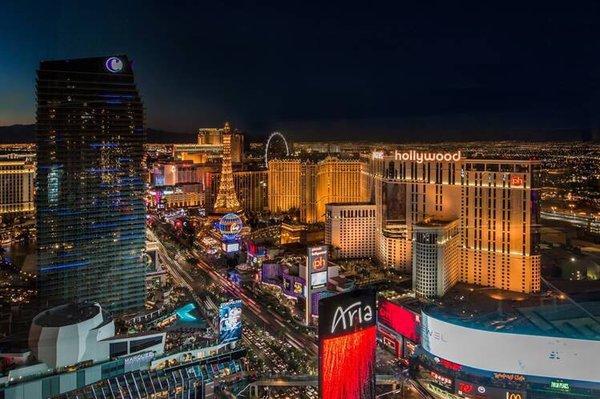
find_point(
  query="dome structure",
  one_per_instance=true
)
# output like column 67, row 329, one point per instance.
column 70, row 334
column 230, row 226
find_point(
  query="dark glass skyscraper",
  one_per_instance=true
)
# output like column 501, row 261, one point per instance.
column 90, row 207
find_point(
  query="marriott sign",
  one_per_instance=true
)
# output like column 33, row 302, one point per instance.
column 420, row 157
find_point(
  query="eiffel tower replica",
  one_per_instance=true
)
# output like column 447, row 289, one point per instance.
column 226, row 201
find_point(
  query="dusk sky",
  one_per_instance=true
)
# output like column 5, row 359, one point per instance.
column 326, row 70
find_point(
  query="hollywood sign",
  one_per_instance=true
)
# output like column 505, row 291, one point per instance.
column 420, row 157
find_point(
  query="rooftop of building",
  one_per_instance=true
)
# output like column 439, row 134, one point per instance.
column 363, row 203
column 434, row 223
column 548, row 313
column 69, row 314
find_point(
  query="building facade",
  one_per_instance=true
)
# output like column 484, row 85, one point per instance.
column 16, row 186
column 90, row 189
column 435, row 257
column 495, row 201
column 308, row 187
column 350, row 230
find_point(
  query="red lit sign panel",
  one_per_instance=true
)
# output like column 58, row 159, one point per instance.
column 347, row 342
column 477, row 391
column 516, row 181
column 399, row 319
column 317, row 258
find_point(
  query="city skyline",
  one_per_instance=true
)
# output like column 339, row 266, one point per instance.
column 298, row 201
column 396, row 70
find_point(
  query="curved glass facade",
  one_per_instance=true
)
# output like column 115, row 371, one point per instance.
column 90, row 208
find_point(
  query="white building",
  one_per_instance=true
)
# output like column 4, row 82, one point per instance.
column 74, row 345
column 79, row 332
column 436, row 257
column 350, row 229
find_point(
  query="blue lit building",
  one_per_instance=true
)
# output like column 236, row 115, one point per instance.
column 90, row 208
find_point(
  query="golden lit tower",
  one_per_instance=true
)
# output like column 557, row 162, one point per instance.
column 226, row 198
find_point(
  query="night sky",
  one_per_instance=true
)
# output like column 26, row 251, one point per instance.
column 347, row 70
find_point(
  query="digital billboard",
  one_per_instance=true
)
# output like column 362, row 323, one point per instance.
column 478, row 391
column 271, row 273
column 510, row 353
column 317, row 258
column 399, row 319
column 230, row 247
column 315, row 297
column 393, row 197
column 347, row 342
column 230, row 321
column 293, row 285
column 318, row 279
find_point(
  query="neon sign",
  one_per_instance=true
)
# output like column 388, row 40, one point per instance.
column 560, row 386
column 509, row 377
column 348, row 315
column 377, row 154
column 114, row 64
column 317, row 258
column 516, row 181
column 420, row 157
column 441, row 379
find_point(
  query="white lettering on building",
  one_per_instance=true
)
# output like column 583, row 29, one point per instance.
column 347, row 316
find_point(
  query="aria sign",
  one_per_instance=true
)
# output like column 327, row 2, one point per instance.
column 114, row 64
column 420, row 157
column 345, row 317
column 346, row 313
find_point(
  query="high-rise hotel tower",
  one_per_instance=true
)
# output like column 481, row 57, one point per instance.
column 494, row 203
column 90, row 208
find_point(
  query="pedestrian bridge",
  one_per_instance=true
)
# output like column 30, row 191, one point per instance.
column 310, row 380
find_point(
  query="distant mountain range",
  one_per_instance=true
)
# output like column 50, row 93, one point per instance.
column 26, row 134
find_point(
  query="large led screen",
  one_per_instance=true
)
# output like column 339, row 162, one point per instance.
column 318, row 279
column 347, row 342
column 399, row 319
column 534, row 355
column 271, row 273
column 230, row 321
column 293, row 285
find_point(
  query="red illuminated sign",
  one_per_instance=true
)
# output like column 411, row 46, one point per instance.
column 392, row 343
column 450, row 365
column 441, row 379
column 465, row 387
column 347, row 342
column 399, row 319
column 516, row 181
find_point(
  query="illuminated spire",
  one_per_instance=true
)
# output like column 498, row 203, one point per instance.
column 226, row 198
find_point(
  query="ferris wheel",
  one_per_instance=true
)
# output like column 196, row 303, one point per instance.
column 277, row 136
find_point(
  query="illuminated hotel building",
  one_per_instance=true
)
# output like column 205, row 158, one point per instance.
column 309, row 187
column 339, row 181
column 496, row 203
column 91, row 216
column 251, row 189
column 16, row 186
column 350, row 230
column 209, row 148
column 435, row 257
